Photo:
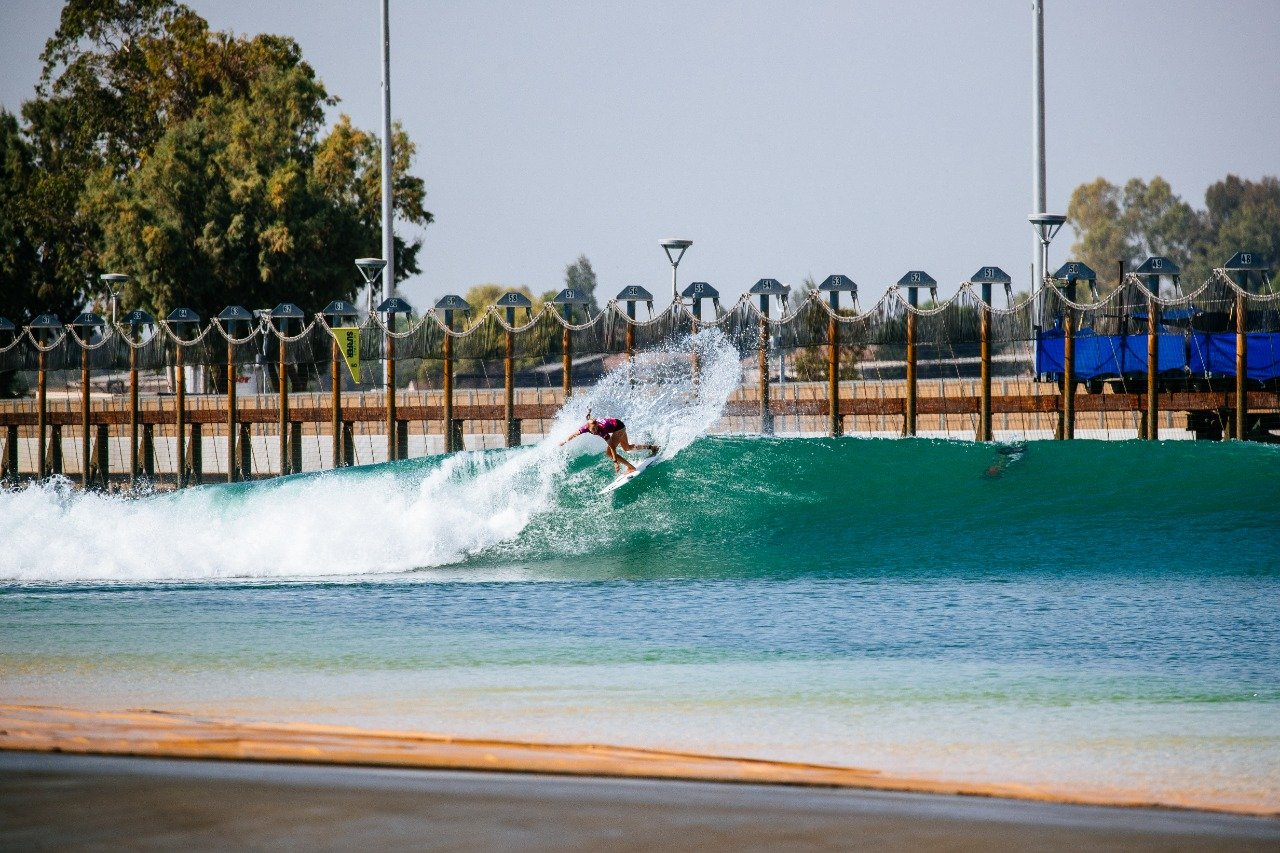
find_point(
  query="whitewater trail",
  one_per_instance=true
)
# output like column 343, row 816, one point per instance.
column 388, row 518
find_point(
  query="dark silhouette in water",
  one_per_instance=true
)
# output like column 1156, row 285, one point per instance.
column 1007, row 454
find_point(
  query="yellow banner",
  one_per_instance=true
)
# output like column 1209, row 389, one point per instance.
column 349, row 343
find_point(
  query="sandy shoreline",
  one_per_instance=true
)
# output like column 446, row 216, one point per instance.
column 160, row 734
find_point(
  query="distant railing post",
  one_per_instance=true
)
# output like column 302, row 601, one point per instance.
column 335, row 403
column 764, row 289
column 1068, row 374
column 86, row 450
column 180, row 413
column 282, row 409
column 566, row 299
column 231, row 412
column 135, row 318
column 833, row 285
column 336, row 314
column 452, row 429
column 509, row 302
column 447, row 382
column 41, row 330
column 42, row 415
column 389, row 309
column 133, row 417
column 695, row 293
column 509, row 382
column 1242, row 365
column 1153, row 361
column 913, row 281
column 232, row 317
column 984, row 385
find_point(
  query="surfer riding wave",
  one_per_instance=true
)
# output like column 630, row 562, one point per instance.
column 614, row 433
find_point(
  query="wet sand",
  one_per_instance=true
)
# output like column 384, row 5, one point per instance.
column 61, row 801
column 131, row 778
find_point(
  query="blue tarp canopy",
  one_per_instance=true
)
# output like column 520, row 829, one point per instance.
column 1108, row 355
column 1215, row 354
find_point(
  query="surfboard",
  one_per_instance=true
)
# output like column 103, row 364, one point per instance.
column 641, row 466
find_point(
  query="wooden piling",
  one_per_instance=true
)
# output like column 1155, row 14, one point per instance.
column 833, row 373
column 231, row 413
column 1242, row 365
column 86, row 457
column 335, row 404
column 909, row 407
column 42, row 416
column 392, row 443
column 766, row 417
column 509, row 384
column 448, row 384
column 348, row 444
column 984, row 385
column 1068, row 375
column 283, row 419
column 180, row 415
column 133, row 416
column 1153, row 351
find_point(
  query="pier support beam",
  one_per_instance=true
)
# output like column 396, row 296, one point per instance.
column 42, row 416
column 1068, row 375
column 180, row 413
column 1242, row 367
column 1153, row 353
column 509, row 384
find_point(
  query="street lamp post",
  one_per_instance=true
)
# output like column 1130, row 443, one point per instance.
column 675, row 251
column 371, row 268
column 112, row 281
column 1046, row 225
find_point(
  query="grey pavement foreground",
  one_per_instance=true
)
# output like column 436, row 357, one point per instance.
column 92, row 802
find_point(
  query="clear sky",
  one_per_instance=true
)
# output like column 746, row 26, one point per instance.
column 785, row 139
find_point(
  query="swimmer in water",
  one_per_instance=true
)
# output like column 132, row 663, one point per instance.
column 614, row 433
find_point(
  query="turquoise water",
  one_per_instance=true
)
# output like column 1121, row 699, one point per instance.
column 1073, row 616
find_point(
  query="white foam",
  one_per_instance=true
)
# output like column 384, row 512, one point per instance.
column 378, row 520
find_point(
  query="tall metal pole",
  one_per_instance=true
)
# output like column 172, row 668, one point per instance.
column 1037, row 129
column 388, row 235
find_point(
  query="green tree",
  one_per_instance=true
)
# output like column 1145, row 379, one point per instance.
column 23, row 292
column 195, row 161
column 1149, row 219
column 1242, row 215
column 580, row 276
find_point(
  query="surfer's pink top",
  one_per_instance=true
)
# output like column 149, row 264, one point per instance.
column 606, row 426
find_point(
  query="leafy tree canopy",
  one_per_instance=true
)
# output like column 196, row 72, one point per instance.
column 198, row 163
column 1142, row 219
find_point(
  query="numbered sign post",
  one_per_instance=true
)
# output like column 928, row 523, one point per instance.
column 509, row 302
column 337, row 314
column 833, row 286
column 1244, row 265
column 696, row 293
column 1153, row 269
column 986, row 277
column 566, row 299
column 913, row 282
column 452, row 428
column 766, row 288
